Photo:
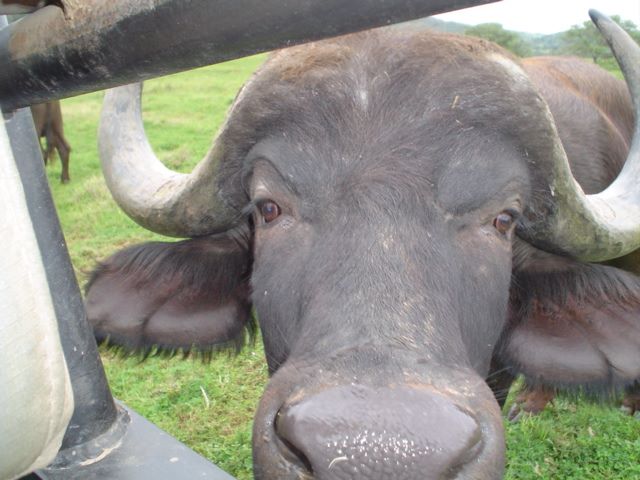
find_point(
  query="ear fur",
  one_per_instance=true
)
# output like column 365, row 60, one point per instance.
column 576, row 329
column 186, row 295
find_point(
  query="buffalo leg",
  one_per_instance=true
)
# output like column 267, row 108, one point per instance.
column 531, row 400
column 63, row 151
column 631, row 400
column 50, row 145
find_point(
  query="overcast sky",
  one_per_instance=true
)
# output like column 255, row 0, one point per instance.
column 543, row 16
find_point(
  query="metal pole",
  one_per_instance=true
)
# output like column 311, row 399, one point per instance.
column 98, row 44
column 95, row 410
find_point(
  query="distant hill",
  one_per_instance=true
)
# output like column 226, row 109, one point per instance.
column 540, row 44
column 437, row 24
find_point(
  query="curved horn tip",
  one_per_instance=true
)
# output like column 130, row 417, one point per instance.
column 597, row 16
column 608, row 27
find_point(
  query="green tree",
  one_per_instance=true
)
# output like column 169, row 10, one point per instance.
column 585, row 40
column 505, row 38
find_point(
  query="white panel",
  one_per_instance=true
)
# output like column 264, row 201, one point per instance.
column 36, row 400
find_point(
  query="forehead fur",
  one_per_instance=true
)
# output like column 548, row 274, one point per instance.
column 319, row 59
column 397, row 67
column 412, row 93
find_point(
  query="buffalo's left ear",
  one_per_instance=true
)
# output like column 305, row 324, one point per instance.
column 578, row 339
column 170, row 296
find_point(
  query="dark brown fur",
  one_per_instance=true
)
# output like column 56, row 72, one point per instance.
column 593, row 113
column 47, row 118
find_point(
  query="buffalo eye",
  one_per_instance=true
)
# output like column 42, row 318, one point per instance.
column 269, row 210
column 503, row 222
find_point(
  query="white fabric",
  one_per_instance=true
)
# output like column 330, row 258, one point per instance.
column 36, row 400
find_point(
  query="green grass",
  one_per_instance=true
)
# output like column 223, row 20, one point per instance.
column 210, row 406
column 574, row 440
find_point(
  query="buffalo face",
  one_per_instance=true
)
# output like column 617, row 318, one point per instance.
column 370, row 189
column 379, row 310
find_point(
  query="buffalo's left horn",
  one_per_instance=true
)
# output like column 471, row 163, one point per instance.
column 166, row 202
column 605, row 225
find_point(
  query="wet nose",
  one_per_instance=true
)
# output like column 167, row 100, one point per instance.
column 378, row 433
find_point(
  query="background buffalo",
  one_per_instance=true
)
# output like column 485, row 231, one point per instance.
column 47, row 118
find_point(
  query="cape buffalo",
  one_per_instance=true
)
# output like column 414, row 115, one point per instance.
column 47, row 118
column 398, row 208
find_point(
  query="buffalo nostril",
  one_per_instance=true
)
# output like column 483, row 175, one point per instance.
column 363, row 432
column 291, row 453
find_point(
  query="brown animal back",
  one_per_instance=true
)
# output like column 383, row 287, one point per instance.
column 593, row 114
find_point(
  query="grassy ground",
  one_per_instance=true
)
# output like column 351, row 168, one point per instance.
column 210, row 406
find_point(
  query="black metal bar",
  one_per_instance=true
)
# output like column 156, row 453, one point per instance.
column 97, row 44
column 94, row 410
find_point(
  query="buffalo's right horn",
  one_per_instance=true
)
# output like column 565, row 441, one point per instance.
column 163, row 201
column 605, row 225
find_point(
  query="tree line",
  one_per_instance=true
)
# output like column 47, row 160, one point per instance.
column 581, row 40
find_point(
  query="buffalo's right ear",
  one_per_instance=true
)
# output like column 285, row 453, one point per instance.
column 192, row 294
column 579, row 328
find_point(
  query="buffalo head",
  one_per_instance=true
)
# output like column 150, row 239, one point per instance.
column 380, row 199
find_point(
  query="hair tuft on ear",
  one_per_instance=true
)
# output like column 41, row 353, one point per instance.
column 184, row 298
